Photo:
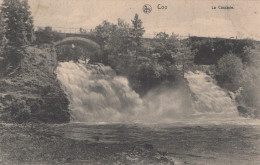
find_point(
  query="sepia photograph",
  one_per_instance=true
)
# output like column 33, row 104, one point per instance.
column 129, row 82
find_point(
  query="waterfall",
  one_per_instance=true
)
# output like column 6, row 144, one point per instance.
column 97, row 94
column 211, row 101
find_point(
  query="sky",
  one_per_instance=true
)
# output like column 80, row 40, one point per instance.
column 183, row 17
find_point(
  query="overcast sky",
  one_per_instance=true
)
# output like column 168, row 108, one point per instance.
column 194, row 17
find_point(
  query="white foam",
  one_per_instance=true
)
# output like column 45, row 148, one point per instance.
column 97, row 95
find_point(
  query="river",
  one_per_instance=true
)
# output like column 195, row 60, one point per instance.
column 81, row 143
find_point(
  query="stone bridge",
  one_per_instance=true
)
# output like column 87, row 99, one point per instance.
column 77, row 40
column 73, row 36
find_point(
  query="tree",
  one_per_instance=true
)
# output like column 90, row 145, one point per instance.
column 162, row 36
column 137, row 32
column 230, row 72
column 149, row 74
column 166, row 46
column 18, row 21
column 120, row 40
column 103, row 32
column 28, row 21
column 45, row 35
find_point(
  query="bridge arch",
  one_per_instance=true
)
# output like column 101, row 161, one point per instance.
column 87, row 43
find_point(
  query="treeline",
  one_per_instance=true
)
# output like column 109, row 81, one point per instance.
column 146, row 62
column 208, row 51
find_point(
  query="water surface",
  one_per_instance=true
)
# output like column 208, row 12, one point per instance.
column 80, row 143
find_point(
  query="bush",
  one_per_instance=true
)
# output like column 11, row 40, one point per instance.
column 229, row 72
column 150, row 74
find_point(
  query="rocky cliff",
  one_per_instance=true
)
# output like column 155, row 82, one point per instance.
column 31, row 92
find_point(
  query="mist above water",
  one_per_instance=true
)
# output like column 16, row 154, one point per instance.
column 97, row 94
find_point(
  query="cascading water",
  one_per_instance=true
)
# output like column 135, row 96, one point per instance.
column 211, row 101
column 98, row 95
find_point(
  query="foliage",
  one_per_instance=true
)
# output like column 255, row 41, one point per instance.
column 243, row 78
column 166, row 46
column 76, row 53
column 18, row 21
column 120, row 38
column 137, row 32
column 208, row 50
column 34, row 94
column 230, row 72
column 67, row 53
column 122, row 43
column 47, row 35
column 103, row 33
column 12, row 57
column 28, row 21
column 16, row 30
column 145, row 73
column 150, row 74
column 44, row 35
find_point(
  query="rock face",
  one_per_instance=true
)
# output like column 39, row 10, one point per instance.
column 31, row 91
